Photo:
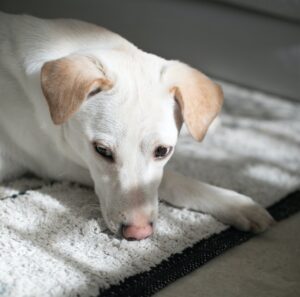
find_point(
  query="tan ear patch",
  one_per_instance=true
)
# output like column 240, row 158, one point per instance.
column 199, row 98
column 68, row 81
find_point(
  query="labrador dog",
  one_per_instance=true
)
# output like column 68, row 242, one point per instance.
column 81, row 103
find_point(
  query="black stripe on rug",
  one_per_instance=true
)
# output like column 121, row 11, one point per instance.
column 178, row 265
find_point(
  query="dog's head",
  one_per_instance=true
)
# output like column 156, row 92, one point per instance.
column 121, row 113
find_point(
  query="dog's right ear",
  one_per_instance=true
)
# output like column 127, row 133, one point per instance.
column 68, row 81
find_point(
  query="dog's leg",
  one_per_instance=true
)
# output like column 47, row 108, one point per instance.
column 227, row 206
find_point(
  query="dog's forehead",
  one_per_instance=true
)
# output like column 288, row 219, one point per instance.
column 122, row 115
column 138, row 106
column 138, row 113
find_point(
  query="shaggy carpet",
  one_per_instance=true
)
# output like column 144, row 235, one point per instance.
column 53, row 241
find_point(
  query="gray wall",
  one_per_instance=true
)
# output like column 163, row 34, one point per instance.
column 236, row 45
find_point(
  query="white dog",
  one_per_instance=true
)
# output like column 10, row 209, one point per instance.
column 80, row 103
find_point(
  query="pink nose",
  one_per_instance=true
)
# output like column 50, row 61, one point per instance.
column 133, row 232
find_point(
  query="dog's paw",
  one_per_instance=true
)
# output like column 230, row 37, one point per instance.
column 246, row 215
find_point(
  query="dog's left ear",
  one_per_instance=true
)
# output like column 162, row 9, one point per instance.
column 68, row 81
column 199, row 98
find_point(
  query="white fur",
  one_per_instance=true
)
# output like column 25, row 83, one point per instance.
column 135, row 116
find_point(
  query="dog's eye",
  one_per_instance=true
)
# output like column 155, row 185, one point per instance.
column 104, row 152
column 162, row 151
column 94, row 92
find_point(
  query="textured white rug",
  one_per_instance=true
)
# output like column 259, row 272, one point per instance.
column 53, row 241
